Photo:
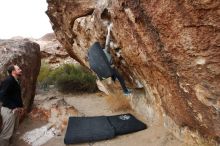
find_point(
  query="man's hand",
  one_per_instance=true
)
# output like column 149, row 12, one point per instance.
column 20, row 112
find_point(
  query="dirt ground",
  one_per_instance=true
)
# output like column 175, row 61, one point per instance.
column 95, row 105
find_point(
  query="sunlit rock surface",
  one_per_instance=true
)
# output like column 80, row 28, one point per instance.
column 171, row 48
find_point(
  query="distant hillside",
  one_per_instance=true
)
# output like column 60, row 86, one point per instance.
column 48, row 37
column 52, row 52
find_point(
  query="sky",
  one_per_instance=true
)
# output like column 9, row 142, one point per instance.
column 26, row 18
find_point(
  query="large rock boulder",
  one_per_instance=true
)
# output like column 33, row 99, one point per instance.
column 26, row 54
column 170, row 47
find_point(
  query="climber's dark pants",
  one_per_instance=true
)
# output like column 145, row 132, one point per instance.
column 120, row 79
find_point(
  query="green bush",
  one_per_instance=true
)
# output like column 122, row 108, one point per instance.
column 68, row 78
column 44, row 78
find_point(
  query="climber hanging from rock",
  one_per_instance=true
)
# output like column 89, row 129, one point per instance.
column 100, row 62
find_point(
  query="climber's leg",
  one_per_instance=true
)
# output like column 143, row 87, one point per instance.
column 120, row 79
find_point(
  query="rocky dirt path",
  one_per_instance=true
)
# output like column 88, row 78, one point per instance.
column 96, row 105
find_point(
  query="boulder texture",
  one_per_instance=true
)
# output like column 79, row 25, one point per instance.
column 172, row 48
column 25, row 54
column 52, row 51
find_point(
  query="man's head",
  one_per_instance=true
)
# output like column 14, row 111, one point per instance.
column 15, row 71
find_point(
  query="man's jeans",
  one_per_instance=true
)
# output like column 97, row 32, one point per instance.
column 10, row 122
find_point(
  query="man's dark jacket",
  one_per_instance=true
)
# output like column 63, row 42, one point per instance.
column 10, row 93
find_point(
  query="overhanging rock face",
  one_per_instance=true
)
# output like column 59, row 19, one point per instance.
column 171, row 47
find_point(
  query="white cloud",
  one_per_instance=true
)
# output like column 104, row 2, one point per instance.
column 24, row 18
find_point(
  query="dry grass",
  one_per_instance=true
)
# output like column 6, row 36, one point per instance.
column 118, row 102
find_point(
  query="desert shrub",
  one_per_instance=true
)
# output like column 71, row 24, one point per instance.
column 68, row 78
column 44, row 78
column 75, row 78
